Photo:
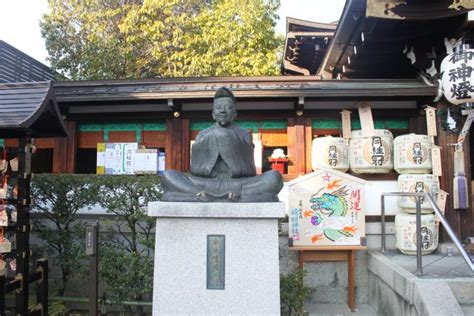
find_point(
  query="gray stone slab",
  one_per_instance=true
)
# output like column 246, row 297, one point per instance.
column 216, row 210
column 403, row 293
column 436, row 265
column 463, row 290
column 436, row 298
column 468, row 310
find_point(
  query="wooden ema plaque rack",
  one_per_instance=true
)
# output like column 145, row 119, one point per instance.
column 332, row 254
column 18, row 279
column 38, row 116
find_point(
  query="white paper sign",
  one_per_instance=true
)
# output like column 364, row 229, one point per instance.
column 145, row 161
column 116, row 158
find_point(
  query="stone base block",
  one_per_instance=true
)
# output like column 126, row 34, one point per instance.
column 247, row 266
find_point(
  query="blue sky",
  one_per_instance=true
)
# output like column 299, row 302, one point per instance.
column 19, row 20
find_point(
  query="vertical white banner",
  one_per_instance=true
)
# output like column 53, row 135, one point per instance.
column 257, row 152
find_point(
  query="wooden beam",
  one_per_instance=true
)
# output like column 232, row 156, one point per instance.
column 84, row 95
column 309, row 34
column 289, row 66
column 299, row 106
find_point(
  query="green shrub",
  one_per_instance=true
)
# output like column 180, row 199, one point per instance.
column 57, row 198
column 293, row 292
column 126, row 240
column 126, row 255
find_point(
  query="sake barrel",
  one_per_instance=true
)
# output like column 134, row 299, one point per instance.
column 417, row 183
column 331, row 152
column 405, row 233
column 412, row 154
column 371, row 154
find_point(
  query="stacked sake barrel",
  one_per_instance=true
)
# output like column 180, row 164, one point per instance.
column 413, row 162
column 371, row 154
column 330, row 152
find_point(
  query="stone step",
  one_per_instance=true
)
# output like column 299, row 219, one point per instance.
column 339, row 310
column 468, row 309
column 463, row 290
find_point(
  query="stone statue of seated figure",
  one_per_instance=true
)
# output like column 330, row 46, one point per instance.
column 222, row 164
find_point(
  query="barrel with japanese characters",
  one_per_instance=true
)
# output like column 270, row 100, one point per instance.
column 330, row 152
column 371, row 154
column 417, row 183
column 405, row 233
column 412, row 154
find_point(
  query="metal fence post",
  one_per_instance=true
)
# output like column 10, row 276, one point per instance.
column 419, row 269
column 382, row 197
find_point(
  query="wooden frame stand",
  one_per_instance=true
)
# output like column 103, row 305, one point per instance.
column 332, row 254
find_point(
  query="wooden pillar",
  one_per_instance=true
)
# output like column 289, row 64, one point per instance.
column 64, row 151
column 459, row 220
column 297, row 149
column 71, row 147
column 467, row 216
column 177, row 144
column 59, row 155
column 185, row 145
column 417, row 124
column 308, row 132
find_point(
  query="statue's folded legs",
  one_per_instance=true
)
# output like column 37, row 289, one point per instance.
column 181, row 187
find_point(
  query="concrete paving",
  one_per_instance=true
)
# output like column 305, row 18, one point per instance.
column 339, row 310
column 435, row 266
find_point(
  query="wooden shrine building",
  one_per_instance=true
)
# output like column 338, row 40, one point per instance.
column 388, row 55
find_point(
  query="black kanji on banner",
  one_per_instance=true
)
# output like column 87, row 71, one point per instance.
column 465, row 56
column 463, row 73
column 461, row 90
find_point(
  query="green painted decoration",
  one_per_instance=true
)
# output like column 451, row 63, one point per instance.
column 379, row 124
column 121, row 127
column 91, row 127
column 156, row 126
column 138, row 128
column 245, row 124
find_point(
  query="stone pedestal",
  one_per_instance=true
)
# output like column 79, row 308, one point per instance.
column 216, row 258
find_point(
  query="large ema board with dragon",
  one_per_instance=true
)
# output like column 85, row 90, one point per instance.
column 326, row 208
